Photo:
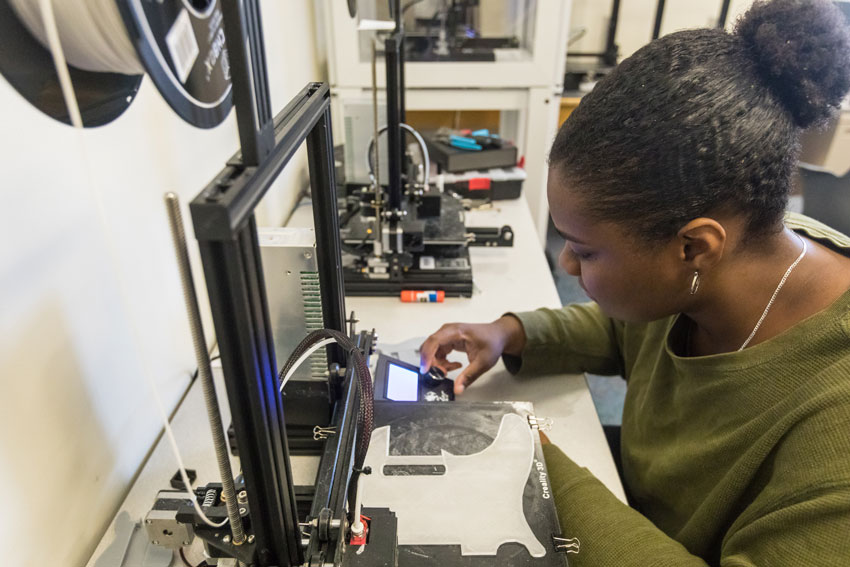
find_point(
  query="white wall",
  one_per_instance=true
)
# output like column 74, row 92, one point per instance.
column 86, row 306
column 637, row 17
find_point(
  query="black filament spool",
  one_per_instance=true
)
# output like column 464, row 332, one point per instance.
column 198, row 88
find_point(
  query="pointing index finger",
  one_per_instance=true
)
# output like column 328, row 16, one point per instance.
column 438, row 345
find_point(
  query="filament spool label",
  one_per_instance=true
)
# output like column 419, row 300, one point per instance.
column 183, row 49
column 182, row 45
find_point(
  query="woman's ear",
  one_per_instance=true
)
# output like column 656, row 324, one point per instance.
column 701, row 243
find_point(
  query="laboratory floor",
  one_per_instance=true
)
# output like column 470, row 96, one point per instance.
column 608, row 392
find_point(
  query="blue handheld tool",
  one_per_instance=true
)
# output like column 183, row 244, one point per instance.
column 464, row 143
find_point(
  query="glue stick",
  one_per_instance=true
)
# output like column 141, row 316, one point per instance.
column 410, row 296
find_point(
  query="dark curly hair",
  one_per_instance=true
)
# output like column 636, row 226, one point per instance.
column 702, row 120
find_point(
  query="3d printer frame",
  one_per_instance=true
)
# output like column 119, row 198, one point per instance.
column 226, row 230
column 223, row 216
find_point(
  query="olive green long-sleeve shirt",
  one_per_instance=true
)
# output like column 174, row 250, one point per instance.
column 736, row 459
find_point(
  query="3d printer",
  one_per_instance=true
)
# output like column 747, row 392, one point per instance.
column 403, row 478
column 397, row 231
column 457, row 30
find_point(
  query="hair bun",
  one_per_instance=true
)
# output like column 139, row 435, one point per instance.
column 802, row 50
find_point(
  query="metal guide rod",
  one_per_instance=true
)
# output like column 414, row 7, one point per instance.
column 395, row 151
column 659, row 15
column 724, row 13
column 178, row 235
column 399, row 29
column 610, row 55
column 379, row 192
column 394, row 63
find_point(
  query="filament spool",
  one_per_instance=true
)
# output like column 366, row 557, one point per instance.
column 109, row 44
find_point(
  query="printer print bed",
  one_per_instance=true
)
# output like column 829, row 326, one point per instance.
column 467, row 428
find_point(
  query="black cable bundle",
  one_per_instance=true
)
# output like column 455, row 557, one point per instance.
column 365, row 417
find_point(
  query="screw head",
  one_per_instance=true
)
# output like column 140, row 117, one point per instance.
column 226, row 539
column 251, row 538
column 242, row 494
column 148, row 522
column 155, row 542
column 242, row 511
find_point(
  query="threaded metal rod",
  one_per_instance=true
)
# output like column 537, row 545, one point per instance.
column 178, row 235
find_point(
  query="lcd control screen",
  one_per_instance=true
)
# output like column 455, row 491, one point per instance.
column 402, row 384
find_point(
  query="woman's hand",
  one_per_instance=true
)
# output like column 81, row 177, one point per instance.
column 483, row 344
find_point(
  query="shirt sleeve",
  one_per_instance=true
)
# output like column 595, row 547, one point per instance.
column 801, row 515
column 574, row 339
column 609, row 532
column 813, row 528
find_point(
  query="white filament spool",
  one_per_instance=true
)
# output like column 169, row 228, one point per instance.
column 92, row 33
column 179, row 43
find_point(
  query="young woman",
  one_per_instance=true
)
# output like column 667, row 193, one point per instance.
column 729, row 319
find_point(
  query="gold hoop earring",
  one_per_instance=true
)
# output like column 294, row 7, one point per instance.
column 695, row 281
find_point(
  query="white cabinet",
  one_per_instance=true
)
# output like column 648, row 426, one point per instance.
column 508, row 55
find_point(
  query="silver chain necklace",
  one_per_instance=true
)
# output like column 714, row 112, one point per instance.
column 776, row 292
